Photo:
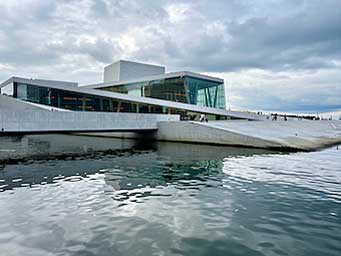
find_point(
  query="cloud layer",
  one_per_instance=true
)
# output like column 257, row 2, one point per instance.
column 274, row 54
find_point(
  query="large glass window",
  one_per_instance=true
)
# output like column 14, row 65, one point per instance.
column 37, row 94
column 71, row 101
column 127, row 107
column 21, row 91
column 205, row 93
column 167, row 89
column 186, row 89
column 106, row 105
column 92, row 103
column 60, row 98
column 181, row 89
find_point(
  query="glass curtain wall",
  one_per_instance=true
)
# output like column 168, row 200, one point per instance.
column 192, row 91
column 79, row 101
column 179, row 89
column 166, row 89
column 205, row 93
column 171, row 89
column 61, row 98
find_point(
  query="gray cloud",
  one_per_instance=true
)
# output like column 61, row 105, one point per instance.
column 306, row 40
column 73, row 40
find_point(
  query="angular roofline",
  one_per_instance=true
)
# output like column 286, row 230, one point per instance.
column 41, row 82
column 7, row 82
column 156, row 77
column 136, row 62
column 131, row 98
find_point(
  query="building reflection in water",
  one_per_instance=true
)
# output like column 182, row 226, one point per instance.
column 37, row 159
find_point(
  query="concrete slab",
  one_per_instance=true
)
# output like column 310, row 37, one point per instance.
column 33, row 121
column 293, row 134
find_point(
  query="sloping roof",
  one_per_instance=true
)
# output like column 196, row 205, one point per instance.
column 41, row 82
column 156, row 77
column 136, row 99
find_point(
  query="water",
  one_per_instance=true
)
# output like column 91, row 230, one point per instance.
column 61, row 196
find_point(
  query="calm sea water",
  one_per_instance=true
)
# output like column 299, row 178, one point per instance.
column 68, row 195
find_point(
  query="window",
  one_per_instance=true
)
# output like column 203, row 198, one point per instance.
column 186, row 89
column 205, row 93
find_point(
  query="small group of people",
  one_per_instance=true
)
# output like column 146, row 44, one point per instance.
column 275, row 117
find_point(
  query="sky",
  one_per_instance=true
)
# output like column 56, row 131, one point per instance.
column 274, row 55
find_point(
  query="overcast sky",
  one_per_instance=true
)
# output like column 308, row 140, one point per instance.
column 282, row 55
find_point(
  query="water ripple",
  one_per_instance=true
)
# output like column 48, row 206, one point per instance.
column 151, row 203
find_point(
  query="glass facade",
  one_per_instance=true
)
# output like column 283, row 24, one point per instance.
column 70, row 100
column 183, row 89
column 205, row 93
column 78, row 101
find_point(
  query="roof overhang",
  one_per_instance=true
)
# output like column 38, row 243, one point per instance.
column 40, row 82
column 156, row 77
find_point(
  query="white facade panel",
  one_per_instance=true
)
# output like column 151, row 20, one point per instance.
column 132, row 70
column 7, row 90
column 112, row 72
column 126, row 70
